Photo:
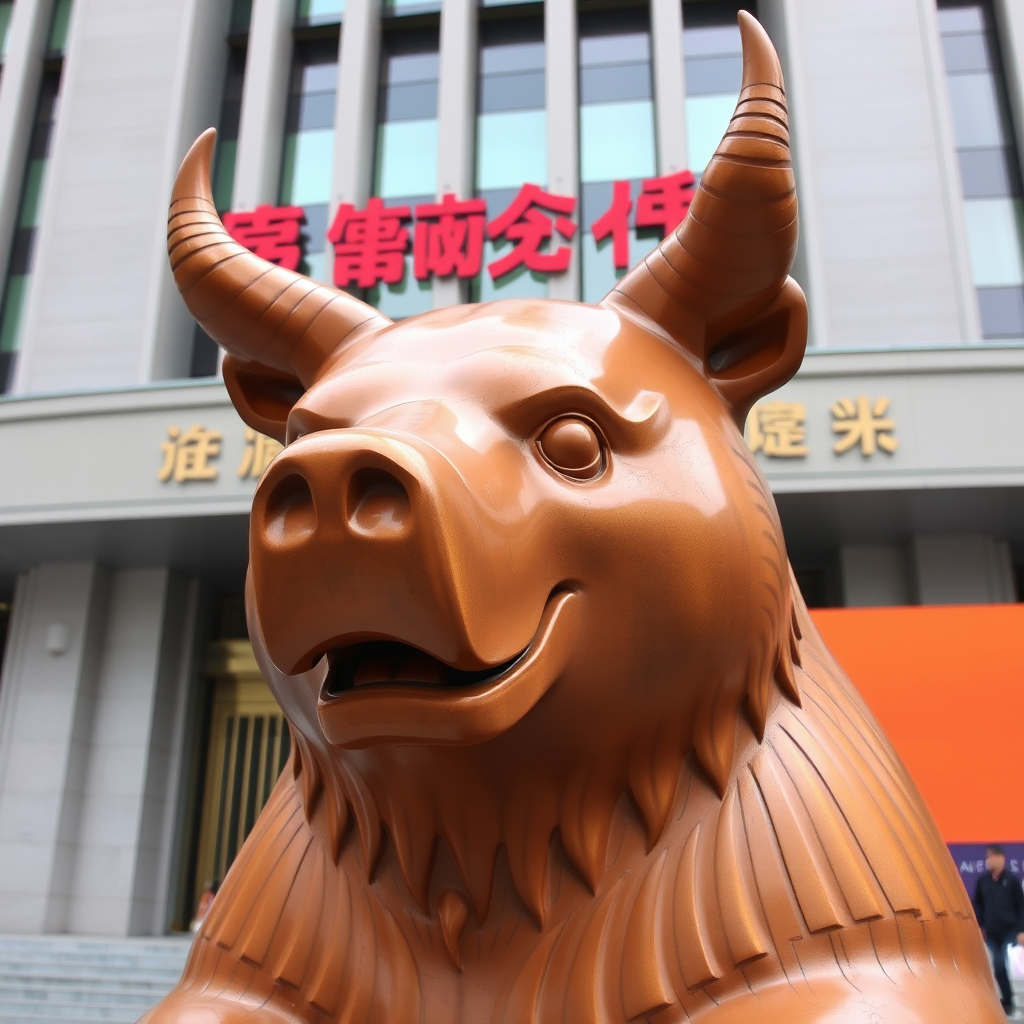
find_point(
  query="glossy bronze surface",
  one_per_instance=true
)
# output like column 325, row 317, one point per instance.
column 567, row 747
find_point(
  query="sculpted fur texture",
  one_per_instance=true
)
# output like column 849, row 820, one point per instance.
column 566, row 746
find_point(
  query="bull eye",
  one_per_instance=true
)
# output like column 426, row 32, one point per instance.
column 572, row 446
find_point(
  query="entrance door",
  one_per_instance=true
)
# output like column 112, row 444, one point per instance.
column 249, row 744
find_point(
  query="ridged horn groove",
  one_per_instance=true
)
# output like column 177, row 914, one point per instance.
column 257, row 311
column 731, row 255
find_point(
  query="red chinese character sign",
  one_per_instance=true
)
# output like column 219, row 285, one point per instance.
column 369, row 245
column 271, row 232
column 449, row 238
column 529, row 223
column 662, row 204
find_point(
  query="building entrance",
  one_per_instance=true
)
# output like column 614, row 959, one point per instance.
column 248, row 746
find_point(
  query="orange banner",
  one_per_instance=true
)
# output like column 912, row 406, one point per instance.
column 946, row 683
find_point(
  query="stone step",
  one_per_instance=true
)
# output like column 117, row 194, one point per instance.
column 59, row 979
column 110, row 996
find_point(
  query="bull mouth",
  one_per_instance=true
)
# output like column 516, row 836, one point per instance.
column 390, row 662
column 387, row 691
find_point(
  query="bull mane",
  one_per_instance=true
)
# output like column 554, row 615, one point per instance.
column 818, row 839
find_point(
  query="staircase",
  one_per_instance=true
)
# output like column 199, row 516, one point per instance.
column 72, row 980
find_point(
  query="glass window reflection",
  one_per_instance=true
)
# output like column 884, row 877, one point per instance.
column 617, row 140
column 511, row 135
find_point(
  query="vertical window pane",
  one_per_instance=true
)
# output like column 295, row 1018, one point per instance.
column 976, row 115
column 617, row 140
column 59, row 27
column 319, row 12
column 989, row 168
column 512, row 148
column 407, row 158
column 309, row 129
column 707, row 118
column 405, row 164
column 5, row 24
column 19, row 268
column 241, row 15
column 511, row 136
column 205, row 354
column 994, row 239
column 713, row 55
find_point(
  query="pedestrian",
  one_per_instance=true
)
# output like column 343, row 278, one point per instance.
column 999, row 905
column 205, row 902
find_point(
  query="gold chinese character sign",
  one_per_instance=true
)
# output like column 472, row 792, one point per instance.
column 778, row 429
column 863, row 422
column 260, row 451
column 187, row 455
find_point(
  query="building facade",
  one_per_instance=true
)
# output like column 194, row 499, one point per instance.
column 424, row 153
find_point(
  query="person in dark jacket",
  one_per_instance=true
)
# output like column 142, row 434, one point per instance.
column 999, row 904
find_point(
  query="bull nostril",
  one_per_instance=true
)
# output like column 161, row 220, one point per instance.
column 290, row 515
column 378, row 504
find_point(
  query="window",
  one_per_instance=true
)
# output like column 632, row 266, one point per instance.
column 405, row 170
column 204, row 349
column 616, row 131
column 713, row 55
column 396, row 8
column 989, row 167
column 309, row 143
column 6, row 9
column 511, row 134
column 19, row 267
column 319, row 12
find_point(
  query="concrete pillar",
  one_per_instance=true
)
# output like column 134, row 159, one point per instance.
column 264, row 104
column 128, row 797
column 949, row 173
column 92, row 716
column 23, row 68
column 197, row 93
column 456, row 119
column 105, row 197
column 561, row 76
column 875, row 575
column 669, row 84
column 47, row 699
column 355, row 116
column 777, row 16
column 962, row 570
column 867, row 106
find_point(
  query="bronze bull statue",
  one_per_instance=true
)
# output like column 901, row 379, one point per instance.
column 567, row 747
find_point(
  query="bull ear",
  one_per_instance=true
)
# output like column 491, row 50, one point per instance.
column 263, row 396
column 762, row 354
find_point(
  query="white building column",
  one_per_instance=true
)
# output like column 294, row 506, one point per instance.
column 669, row 84
column 92, row 720
column 47, row 699
column 19, row 92
column 562, row 97
column 104, row 202
column 456, row 119
column 129, row 786
column 962, row 570
column 264, row 104
column 885, row 261
column 355, row 116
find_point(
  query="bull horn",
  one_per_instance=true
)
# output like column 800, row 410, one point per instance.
column 259, row 312
column 731, row 255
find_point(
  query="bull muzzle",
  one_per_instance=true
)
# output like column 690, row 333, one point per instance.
column 360, row 536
